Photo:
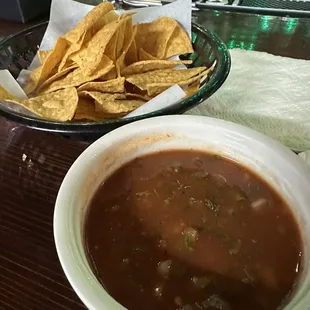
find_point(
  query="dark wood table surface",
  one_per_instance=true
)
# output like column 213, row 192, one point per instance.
column 33, row 164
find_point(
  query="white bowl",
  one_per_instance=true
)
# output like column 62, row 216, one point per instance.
column 280, row 167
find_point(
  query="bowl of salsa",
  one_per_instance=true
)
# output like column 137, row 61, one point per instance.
column 186, row 213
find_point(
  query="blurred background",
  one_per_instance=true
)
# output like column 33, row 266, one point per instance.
column 27, row 10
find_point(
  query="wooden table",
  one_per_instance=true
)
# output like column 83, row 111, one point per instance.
column 33, row 164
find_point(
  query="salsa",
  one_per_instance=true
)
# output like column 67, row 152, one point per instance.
column 189, row 231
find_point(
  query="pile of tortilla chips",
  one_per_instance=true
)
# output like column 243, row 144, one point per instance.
column 107, row 67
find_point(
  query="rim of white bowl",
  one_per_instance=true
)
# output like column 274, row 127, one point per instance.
column 79, row 273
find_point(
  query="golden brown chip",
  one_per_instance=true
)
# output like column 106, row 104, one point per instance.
column 129, row 33
column 111, row 75
column 6, row 96
column 121, row 33
column 110, row 50
column 53, row 58
column 59, row 105
column 95, row 15
column 163, row 76
column 130, row 36
column 179, row 43
column 119, row 64
column 193, row 88
column 196, row 78
column 132, row 89
column 33, row 80
column 137, row 96
column 99, row 97
column 112, row 86
column 70, row 63
column 111, row 105
column 143, row 55
column 73, row 48
column 125, row 15
column 153, row 37
column 132, row 53
column 117, row 108
column 90, row 56
column 40, row 74
column 157, row 88
column 77, row 77
column 150, row 65
column 86, row 111
column 122, row 39
column 85, row 30
column 43, row 55
column 56, row 76
column 104, row 20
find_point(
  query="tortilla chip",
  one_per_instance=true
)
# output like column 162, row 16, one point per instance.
column 53, row 58
column 193, row 88
column 100, row 97
column 111, row 75
column 111, row 86
column 179, row 43
column 77, row 77
column 110, row 50
column 10, row 99
column 89, row 57
column 120, row 37
column 128, row 34
column 153, row 37
column 143, row 55
column 137, row 96
column 68, row 64
column 125, row 15
column 6, row 96
column 85, row 30
column 55, row 77
column 163, row 76
column 86, row 111
column 157, row 88
column 132, row 53
column 117, row 108
column 33, row 80
column 42, row 55
column 59, row 105
column 73, row 48
column 150, row 65
column 40, row 74
column 111, row 105
column 130, row 37
column 102, row 21
column 95, row 15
